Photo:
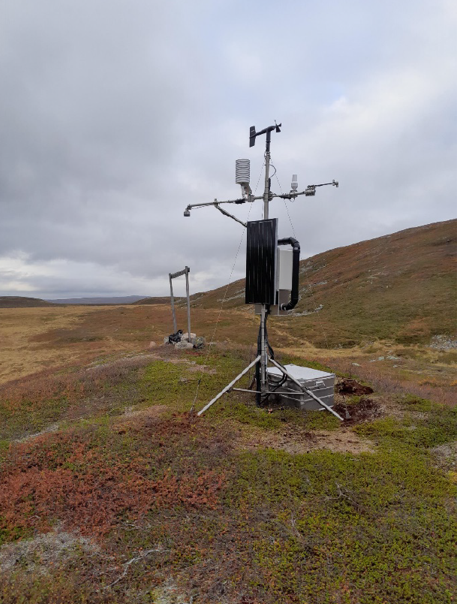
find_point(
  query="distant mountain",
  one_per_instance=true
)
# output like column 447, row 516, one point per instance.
column 21, row 302
column 99, row 300
column 401, row 286
column 160, row 300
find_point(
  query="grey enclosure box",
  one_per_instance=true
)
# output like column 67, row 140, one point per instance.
column 284, row 269
column 320, row 383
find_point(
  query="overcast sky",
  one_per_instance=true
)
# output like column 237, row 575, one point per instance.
column 116, row 114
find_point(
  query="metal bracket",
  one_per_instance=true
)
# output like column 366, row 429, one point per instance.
column 172, row 276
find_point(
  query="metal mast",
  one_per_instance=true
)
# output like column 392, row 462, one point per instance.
column 266, row 201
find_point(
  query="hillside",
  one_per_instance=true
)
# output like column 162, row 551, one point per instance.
column 99, row 300
column 21, row 302
column 158, row 300
column 401, row 286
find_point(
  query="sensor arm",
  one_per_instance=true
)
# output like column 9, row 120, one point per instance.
column 308, row 192
column 216, row 203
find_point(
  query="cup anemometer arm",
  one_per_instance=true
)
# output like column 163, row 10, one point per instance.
column 310, row 191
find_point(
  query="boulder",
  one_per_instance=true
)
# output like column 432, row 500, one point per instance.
column 184, row 336
column 184, row 344
column 199, row 342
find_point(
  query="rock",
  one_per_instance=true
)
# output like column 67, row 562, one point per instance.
column 184, row 336
column 443, row 342
column 199, row 342
column 183, row 345
column 152, row 345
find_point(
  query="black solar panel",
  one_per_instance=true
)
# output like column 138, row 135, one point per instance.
column 262, row 238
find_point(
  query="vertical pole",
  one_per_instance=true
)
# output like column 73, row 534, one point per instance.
column 263, row 351
column 263, row 315
column 266, row 193
column 189, row 338
column 175, row 328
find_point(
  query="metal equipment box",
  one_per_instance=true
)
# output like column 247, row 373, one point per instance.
column 320, row 383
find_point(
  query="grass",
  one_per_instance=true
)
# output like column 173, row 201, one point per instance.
column 433, row 428
column 29, row 405
column 152, row 499
column 260, row 526
column 169, row 495
column 341, row 528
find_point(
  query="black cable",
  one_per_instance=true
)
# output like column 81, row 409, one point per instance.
column 270, row 349
column 258, row 397
column 260, row 401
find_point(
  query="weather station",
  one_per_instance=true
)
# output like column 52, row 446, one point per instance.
column 272, row 286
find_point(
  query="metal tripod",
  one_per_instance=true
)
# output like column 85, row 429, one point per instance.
column 262, row 359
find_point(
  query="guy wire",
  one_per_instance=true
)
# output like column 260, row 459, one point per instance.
column 285, row 204
column 225, row 294
column 318, row 319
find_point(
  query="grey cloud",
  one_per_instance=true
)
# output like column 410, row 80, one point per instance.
column 117, row 115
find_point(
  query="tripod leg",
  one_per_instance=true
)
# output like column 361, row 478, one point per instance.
column 227, row 388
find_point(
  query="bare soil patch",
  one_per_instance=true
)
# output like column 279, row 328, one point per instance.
column 364, row 410
column 350, row 387
column 136, row 416
column 296, row 440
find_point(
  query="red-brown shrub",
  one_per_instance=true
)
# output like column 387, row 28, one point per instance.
column 65, row 478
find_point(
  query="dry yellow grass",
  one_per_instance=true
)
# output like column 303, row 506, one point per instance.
column 33, row 339
column 20, row 353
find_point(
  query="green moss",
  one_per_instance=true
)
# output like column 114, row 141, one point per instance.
column 373, row 527
column 15, row 533
column 245, row 414
column 438, row 427
column 321, row 420
column 415, row 403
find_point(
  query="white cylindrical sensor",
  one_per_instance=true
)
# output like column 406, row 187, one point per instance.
column 243, row 171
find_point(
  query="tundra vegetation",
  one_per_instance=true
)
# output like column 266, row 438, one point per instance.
column 112, row 490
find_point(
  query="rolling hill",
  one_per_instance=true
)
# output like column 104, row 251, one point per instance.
column 401, row 286
column 22, row 302
column 98, row 300
column 159, row 300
